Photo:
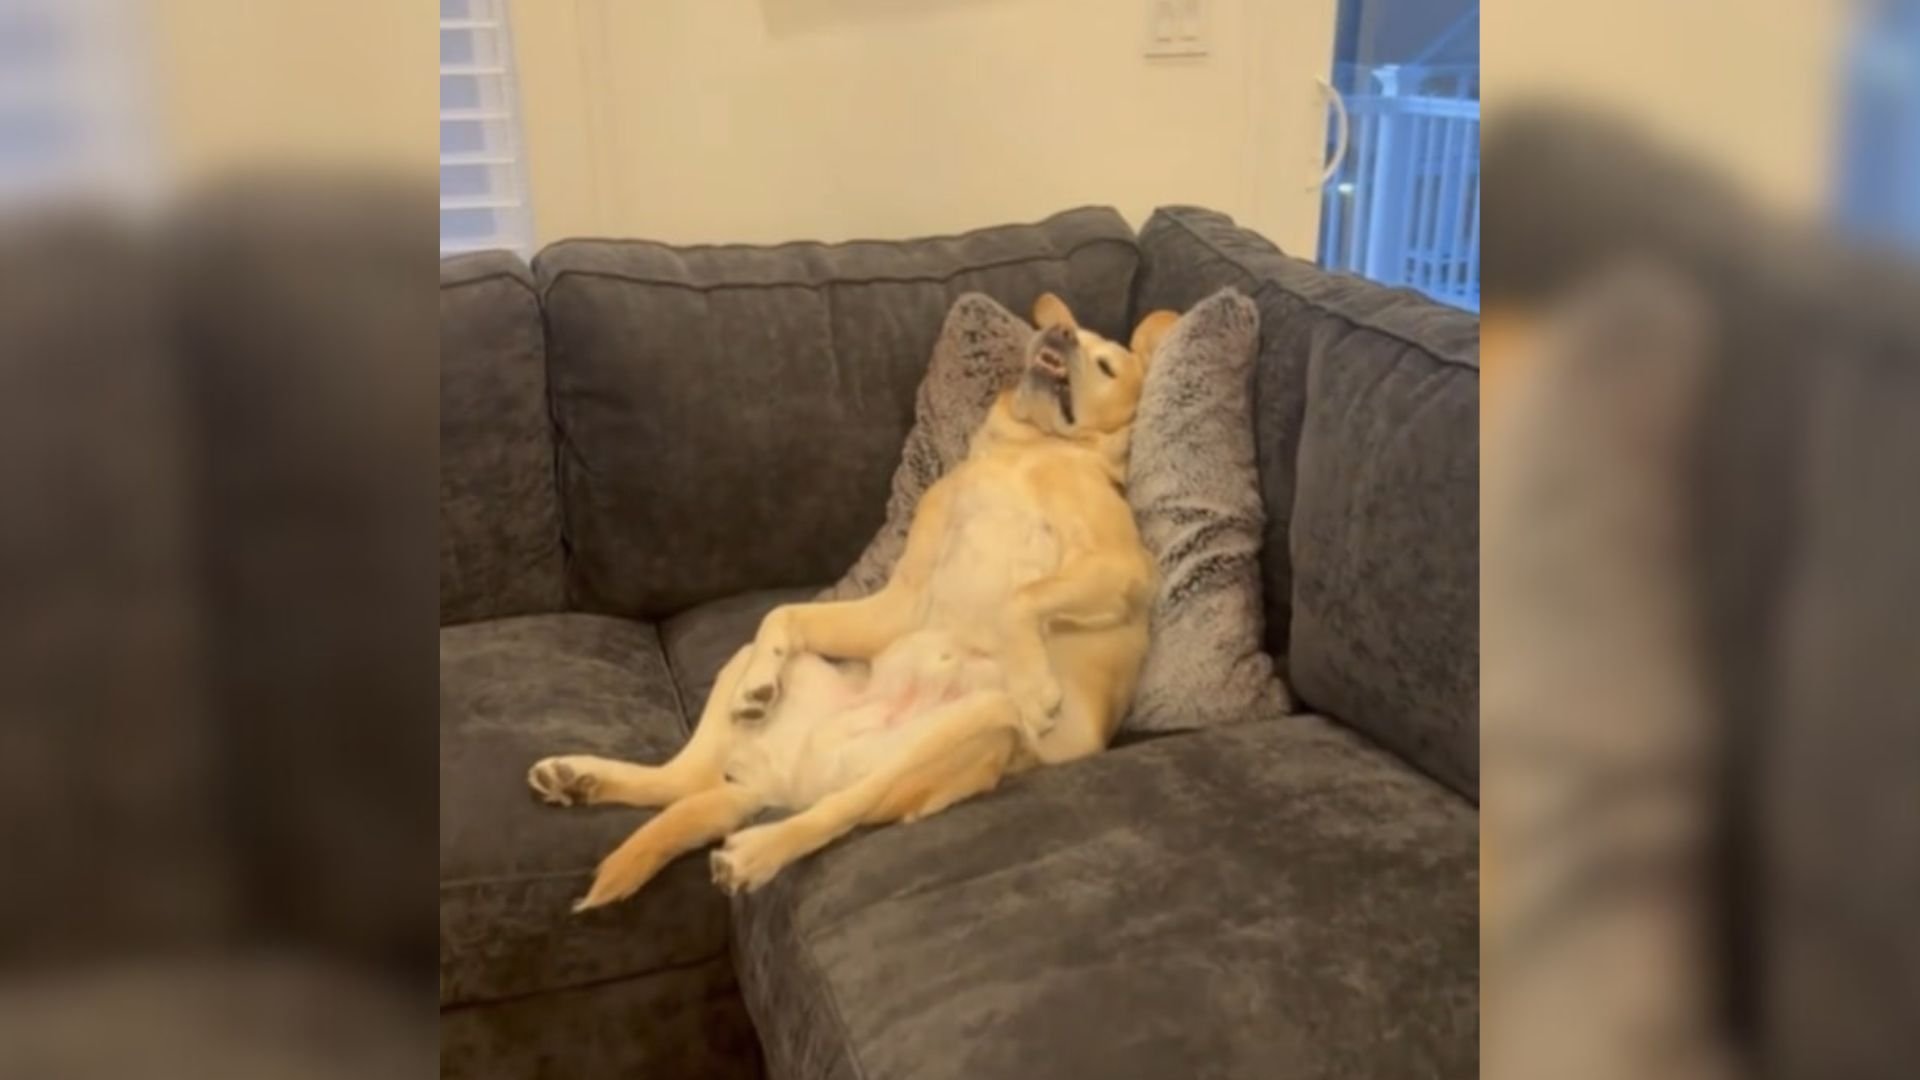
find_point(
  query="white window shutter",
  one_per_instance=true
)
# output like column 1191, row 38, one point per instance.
column 72, row 88
column 483, row 175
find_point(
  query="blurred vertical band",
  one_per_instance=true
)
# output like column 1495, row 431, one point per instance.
column 1877, row 197
column 218, row 440
column 1701, row 666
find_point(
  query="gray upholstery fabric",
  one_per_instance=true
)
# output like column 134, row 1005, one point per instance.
column 1594, row 712
column 1386, row 547
column 1187, row 253
column 1802, row 588
column 499, row 509
column 212, row 1015
column 1195, row 492
column 1371, row 491
column 1264, row 900
column 1838, row 840
column 100, row 646
column 701, row 640
column 981, row 350
column 685, row 1023
column 730, row 416
column 314, row 375
column 513, row 691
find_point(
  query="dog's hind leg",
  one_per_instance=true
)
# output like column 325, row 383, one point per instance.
column 582, row 779
column 975, row 770
column 842, row 630
column 847, row 629
column 695, row 820
column 949, row 761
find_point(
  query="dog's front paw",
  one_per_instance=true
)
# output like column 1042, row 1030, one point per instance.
column 759, row 689
column 564, row 781
column 1039, row 706
column 748, row 860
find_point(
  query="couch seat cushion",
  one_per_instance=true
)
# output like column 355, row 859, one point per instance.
column 701, row 640
column 1275, row 899
column 513, row 691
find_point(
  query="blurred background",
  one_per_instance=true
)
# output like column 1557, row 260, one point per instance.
column 218, row 435
column 1700, row 545
column 217, row 422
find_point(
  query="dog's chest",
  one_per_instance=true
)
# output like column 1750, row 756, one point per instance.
column 997, row 540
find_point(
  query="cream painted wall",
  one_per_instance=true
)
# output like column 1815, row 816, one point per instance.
column 766, row 120
column 1749, row 85
column 342, row 84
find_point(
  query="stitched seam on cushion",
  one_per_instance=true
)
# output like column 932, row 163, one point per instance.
column 554, row 434
column 562, row 447
column 673, row 676
column 923, row 279
column 478, row 1002
column 1320, row 306
column 830, row 245
column 493, row 275
column 513, row 879
column 832, row 997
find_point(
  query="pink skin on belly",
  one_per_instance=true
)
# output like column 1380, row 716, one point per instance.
column 892, row 710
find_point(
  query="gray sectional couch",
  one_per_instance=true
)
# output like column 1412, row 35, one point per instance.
column 644, row 448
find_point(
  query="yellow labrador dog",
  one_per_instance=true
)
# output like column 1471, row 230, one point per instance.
column 1010, row 635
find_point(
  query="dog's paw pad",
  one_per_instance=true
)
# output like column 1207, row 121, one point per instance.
column 724, row 875
column 744, row 863
column 559, row 782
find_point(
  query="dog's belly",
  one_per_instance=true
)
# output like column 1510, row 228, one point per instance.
column 835, row 724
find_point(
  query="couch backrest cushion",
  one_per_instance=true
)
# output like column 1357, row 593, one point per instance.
column 499, row 508
column 1366, row 412
column 729, row 417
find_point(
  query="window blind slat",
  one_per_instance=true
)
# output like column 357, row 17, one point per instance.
column 478, row 202
column 483, row 203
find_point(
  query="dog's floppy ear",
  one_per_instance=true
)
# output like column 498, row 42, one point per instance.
column 1151, row 331
column 1050, row 310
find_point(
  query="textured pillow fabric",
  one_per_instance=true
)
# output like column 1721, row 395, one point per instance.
column 980, row 350
column 1195, row 492
column 1189, row 253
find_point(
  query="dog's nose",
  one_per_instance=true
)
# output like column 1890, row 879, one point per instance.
column 1057, row 337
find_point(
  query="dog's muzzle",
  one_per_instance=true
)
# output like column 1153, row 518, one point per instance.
column 1051, row 349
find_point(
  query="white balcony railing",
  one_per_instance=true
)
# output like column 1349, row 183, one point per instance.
column 1404, row 206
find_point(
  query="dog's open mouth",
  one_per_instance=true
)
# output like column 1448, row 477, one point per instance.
column 1056, row 384
column 1047, row 370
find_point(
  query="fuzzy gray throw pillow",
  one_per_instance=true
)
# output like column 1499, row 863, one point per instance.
column 1195, row 492
column 981, row 349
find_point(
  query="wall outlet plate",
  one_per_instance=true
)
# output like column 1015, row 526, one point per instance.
column 1178, row 27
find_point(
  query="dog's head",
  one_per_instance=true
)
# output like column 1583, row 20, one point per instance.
column 1078, row 384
